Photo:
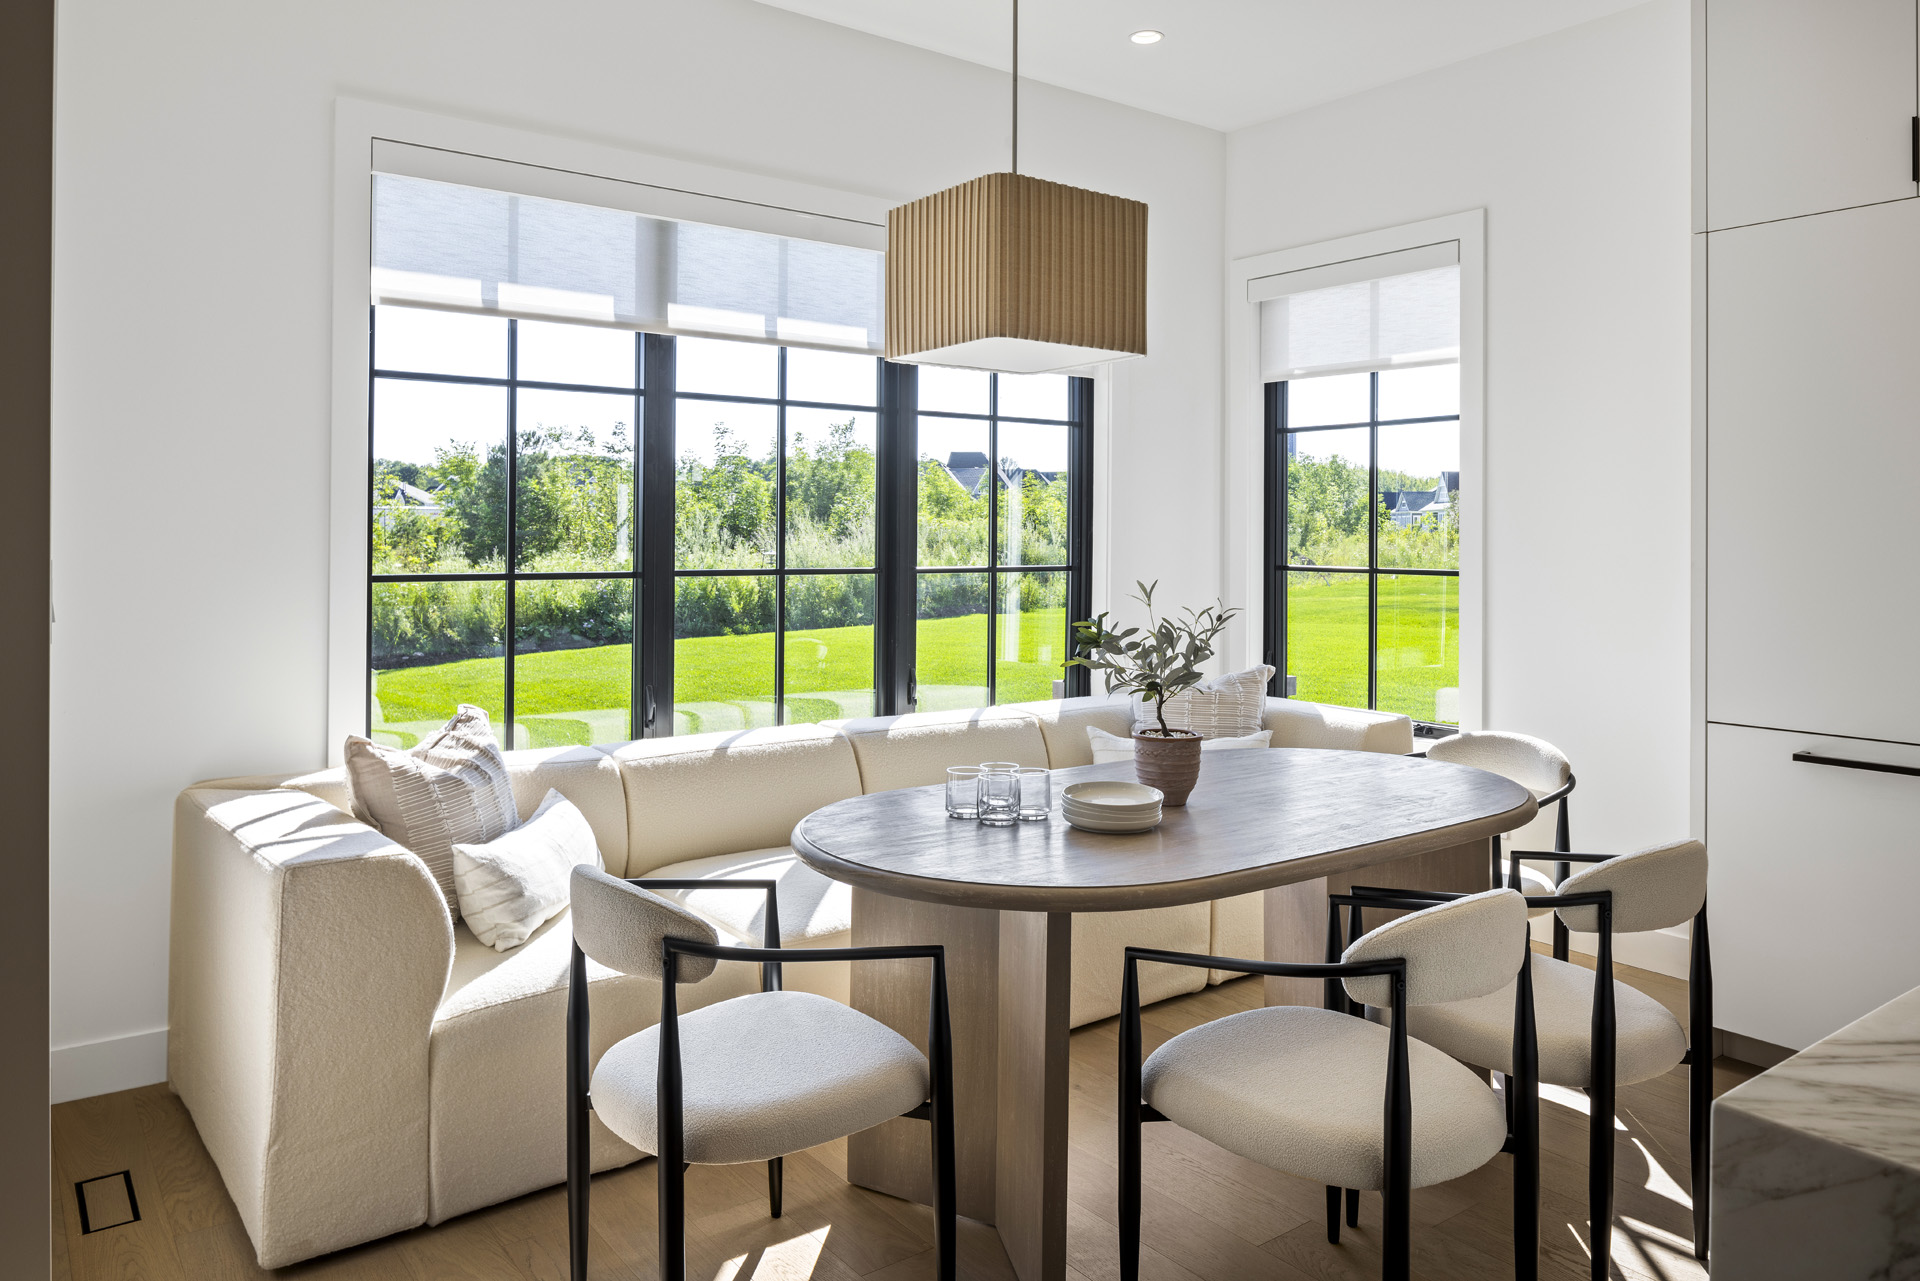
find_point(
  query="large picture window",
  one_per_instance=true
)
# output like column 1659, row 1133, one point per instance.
column 1364, row 539
column 598, row 534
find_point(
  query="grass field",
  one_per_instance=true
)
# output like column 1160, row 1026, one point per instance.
column 723, row 682
column 579, row 696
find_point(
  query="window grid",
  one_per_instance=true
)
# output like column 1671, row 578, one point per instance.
column 650, row 527
column 993, row 569
column 1280, row 440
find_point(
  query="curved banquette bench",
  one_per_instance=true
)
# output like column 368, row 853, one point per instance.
column 358, row 1063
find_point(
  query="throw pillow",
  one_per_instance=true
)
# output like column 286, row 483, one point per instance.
column 510, row 886
column 1111, row 747
column 452, row 786
column 1230, row 706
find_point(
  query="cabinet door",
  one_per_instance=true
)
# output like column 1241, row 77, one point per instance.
column 1809, row 106
column 1813, row 450
column 1812, row 873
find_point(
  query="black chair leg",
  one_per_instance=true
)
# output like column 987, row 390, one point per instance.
column 673, row 1220
column 1129, row 1198
column 1333, row 1215
column 776, row 1183
column 1353, row 1207
column 1562, row 941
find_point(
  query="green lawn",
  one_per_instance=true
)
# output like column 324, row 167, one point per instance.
column 721, row 682
column 726, row 682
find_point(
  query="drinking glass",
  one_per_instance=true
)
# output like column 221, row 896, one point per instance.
column 999, row 797
column 1000, row 767
column 1036, row 793
column 963, row 791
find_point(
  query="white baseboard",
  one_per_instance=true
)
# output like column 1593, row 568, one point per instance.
column 101, row 1067
column 1657, row 950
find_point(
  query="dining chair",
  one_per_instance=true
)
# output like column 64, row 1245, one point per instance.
column 749, row 1079
column 1542, row 769
column 1331, row 1097
column 1596, row 1033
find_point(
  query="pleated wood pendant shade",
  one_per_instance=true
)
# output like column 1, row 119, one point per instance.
column 1017, row 274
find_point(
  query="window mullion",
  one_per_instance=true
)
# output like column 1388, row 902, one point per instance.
column 653, row 695
column 513, row 518
column 1078, row 680
column 897, row 539
column 992, row 483
column 780, row 535
column 1373, row 540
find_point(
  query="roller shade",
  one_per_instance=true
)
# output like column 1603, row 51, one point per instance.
column 460, row 248
column 1390, row 312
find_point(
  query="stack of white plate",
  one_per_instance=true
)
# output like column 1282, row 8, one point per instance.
column 1111, row 807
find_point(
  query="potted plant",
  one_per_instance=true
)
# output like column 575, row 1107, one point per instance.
column 1156, row 664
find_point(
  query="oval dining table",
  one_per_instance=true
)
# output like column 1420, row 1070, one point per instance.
column 1297, row 824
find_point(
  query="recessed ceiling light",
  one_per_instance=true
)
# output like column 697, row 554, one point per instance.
column 1146, row 37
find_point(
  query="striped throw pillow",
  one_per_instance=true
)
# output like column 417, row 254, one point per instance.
column 1230, row 706
column 452, row 786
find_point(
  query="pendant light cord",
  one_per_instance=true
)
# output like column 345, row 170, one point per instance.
column 1016, row 86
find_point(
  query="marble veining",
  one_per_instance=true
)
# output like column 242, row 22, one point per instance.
column 1816, row 1163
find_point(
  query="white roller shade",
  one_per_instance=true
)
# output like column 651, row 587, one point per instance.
column 453, row 247
column 1391, row 312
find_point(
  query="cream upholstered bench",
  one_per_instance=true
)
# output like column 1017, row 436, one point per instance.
column 358, row 1063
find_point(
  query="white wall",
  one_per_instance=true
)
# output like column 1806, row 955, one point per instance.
column 1577, row 146
column 191, row 361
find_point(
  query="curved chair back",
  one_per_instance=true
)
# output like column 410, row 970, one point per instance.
column 1534, row 763
column 1652, row 890
column 1455, row 951
column 624, row 927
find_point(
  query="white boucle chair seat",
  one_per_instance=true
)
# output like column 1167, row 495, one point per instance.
column 764, row 1075
column 1303, row 1091
column 497, row 1062
column 1649, row 1040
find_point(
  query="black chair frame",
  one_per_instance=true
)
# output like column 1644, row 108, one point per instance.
column 1135, row 1111
column 672, row 1167
column 1562, row 866
column 1601, row 1094
column 1522, row 1104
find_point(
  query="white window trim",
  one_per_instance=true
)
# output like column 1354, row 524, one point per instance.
column 1245, row 482
column 538, row 164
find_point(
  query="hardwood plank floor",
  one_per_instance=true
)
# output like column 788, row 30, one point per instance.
column 1208, row 1215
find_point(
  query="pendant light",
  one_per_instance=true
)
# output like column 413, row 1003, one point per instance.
column 1013, row 273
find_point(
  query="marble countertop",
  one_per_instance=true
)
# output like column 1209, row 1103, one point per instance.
column 1816, row 1162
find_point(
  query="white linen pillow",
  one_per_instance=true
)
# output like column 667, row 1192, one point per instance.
column 452, row 786
column 510, row 885
column 1111, row 747
column 1230, row 706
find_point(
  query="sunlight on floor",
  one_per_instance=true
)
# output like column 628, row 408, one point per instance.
column 791, row 1259
column 1575, row 1100
column 1659, row 1182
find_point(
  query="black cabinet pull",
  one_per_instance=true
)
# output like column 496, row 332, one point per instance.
column 1916, row 148
column 1814, row 758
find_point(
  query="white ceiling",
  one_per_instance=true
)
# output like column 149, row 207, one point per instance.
column 1224, row 63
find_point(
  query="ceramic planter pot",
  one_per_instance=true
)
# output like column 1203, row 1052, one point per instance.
column 1171, row 764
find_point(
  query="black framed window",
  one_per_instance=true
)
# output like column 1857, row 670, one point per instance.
column 1363, row 540
column 599, row 535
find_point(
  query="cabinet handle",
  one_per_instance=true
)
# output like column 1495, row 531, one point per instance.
column 1814, row 758
column 1916, row 149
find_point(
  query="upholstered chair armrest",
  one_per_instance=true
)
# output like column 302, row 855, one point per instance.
column 1300, row 724
column 309, row 954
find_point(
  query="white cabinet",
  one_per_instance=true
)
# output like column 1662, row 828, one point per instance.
column 1809, row 106
column 1814, row 874
column 1813, row 449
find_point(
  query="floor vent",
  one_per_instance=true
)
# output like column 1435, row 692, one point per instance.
column 106, row 1202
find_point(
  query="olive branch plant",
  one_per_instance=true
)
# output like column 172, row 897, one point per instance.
column 1158, row 663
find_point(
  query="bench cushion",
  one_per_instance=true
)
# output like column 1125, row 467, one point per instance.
column 915, row 750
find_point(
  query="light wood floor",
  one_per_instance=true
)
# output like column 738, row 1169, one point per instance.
column 1209, row 1216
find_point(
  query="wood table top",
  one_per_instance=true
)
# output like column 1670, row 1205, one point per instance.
column 1256, row 819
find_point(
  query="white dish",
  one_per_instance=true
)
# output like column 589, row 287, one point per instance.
column 1114, row 795
column 1102, row 813
column 1112, row 827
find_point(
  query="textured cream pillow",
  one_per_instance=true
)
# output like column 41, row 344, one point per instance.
column 451, row 787
column 1111, row 747
column 509, row 886
column 1230, row 706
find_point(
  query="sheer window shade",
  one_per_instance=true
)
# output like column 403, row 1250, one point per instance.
column 453, row 247
column 1329, row 322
